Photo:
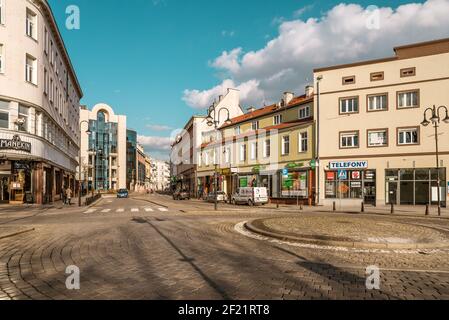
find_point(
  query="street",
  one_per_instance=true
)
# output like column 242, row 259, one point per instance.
column 155, row 248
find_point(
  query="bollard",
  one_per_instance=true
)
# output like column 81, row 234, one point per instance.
column 363, row 207
column 427, row 209
column 300, row 207
column 392, row 208
column 277, row 205
column 334, row 207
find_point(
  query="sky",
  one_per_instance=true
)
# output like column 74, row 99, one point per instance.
column 161, row 61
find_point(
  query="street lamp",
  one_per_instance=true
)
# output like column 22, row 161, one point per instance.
column 435, row 120
column 88, row 132
column 213, row 119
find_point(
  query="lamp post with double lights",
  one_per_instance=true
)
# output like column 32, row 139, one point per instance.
column 436, row 120
column 213, row 119
column 88, row 132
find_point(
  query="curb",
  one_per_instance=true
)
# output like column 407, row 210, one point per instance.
column 346, row 244
column 17, row 233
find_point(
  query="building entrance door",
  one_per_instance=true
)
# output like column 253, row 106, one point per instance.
column 392, row 189
column 370, row 193
column 4, row 189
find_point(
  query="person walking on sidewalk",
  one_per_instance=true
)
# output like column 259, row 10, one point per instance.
column 63, row 196
column 68, row 194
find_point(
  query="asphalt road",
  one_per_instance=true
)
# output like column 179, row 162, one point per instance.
column 134, row 249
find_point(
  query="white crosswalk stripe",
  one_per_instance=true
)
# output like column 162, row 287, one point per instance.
column 135, row 210
column 163, row 209
column 120, row 210
column 149, row 210
column 90, row 211
column 105, row 210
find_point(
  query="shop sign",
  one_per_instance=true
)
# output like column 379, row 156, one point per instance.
column 356, row 175
column 295, row 165
column 356, row 184
column 338, row 165
column 342, row 175
column 313, row 164
column 285, row 172
column 15, row 144
column 330, row 176
column 448, row 188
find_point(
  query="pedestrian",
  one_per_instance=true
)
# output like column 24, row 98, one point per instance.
column 68, row 193
column 63, row 196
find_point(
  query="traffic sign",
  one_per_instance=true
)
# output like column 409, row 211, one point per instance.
column 342, row 175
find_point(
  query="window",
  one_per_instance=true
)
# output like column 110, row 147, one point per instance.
column 2, row 13
column 31, row 24
column 2, row 63
column 304, row 112
column 349, row 105
column 237, row 130
column 31, row 70
column 243, row 152
column 254, row 150
column 348, row 80
column 23, row 116
column 45, row 81
column 303, row 142
column 4, row 114
column 349, row 140
column 377, row 76
column 408, row 72
column 51, row 90
column 378, row 138
column 285, row 145
column 255, row 125
column 228, row 155
column 52, row 53
column 408, row 99
column 267, row 148
column 277, row 119
column 378, row 102
column 408, row 136
column 46, row 41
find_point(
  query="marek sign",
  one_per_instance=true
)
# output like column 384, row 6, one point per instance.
column 15, row 144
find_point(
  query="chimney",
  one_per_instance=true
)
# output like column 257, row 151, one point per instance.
column 250, row 109
column 309, row 91
column 288, row 96
column 220, row 97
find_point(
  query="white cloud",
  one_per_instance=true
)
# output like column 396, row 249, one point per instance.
column 152, row 144
column 302, row 10
column 339, row 36
column 226, row 33
column 158, row 127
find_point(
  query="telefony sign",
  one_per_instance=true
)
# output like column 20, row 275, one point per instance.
column 338, row 165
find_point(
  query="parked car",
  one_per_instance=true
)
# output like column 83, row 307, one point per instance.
column 122, row 193
column 181, row 195
column 250, row 196
column 221, row 197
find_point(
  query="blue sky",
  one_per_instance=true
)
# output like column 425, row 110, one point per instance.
column 140, row 56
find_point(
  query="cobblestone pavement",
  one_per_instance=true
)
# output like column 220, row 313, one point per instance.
column 130, row 249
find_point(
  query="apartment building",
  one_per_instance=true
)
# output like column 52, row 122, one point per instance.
column 372, row 146
column 39, row 105
column 160, row 179
column 103, row 150
column 270, row 147
column 187, row 147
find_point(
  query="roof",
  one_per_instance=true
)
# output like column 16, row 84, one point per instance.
column 281, row 126
column 267, row 110
column 409, row 51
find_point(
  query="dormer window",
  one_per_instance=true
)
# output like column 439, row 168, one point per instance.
column 255, row 125
column 277, row 119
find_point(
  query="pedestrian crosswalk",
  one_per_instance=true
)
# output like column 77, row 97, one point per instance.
column 123, row 210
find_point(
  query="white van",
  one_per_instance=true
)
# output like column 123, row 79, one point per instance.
column 250, row 196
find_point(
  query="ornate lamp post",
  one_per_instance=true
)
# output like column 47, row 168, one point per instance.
column 436, row 120
column 79, row 159
column 213, row 119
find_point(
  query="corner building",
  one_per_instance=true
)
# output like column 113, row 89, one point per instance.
column 39, row 105
column 372, row 146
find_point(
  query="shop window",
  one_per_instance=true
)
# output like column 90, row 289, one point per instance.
column 295, row 185
column 349, row 184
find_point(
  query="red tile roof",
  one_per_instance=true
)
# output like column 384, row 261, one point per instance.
column 268, row 110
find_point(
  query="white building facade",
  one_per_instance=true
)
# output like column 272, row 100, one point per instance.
column 103, row 150
column 160, row 178
column 39, row 105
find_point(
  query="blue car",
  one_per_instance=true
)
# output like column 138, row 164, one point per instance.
column 122, row 193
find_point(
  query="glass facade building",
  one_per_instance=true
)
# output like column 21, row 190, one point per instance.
column 131, row 158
